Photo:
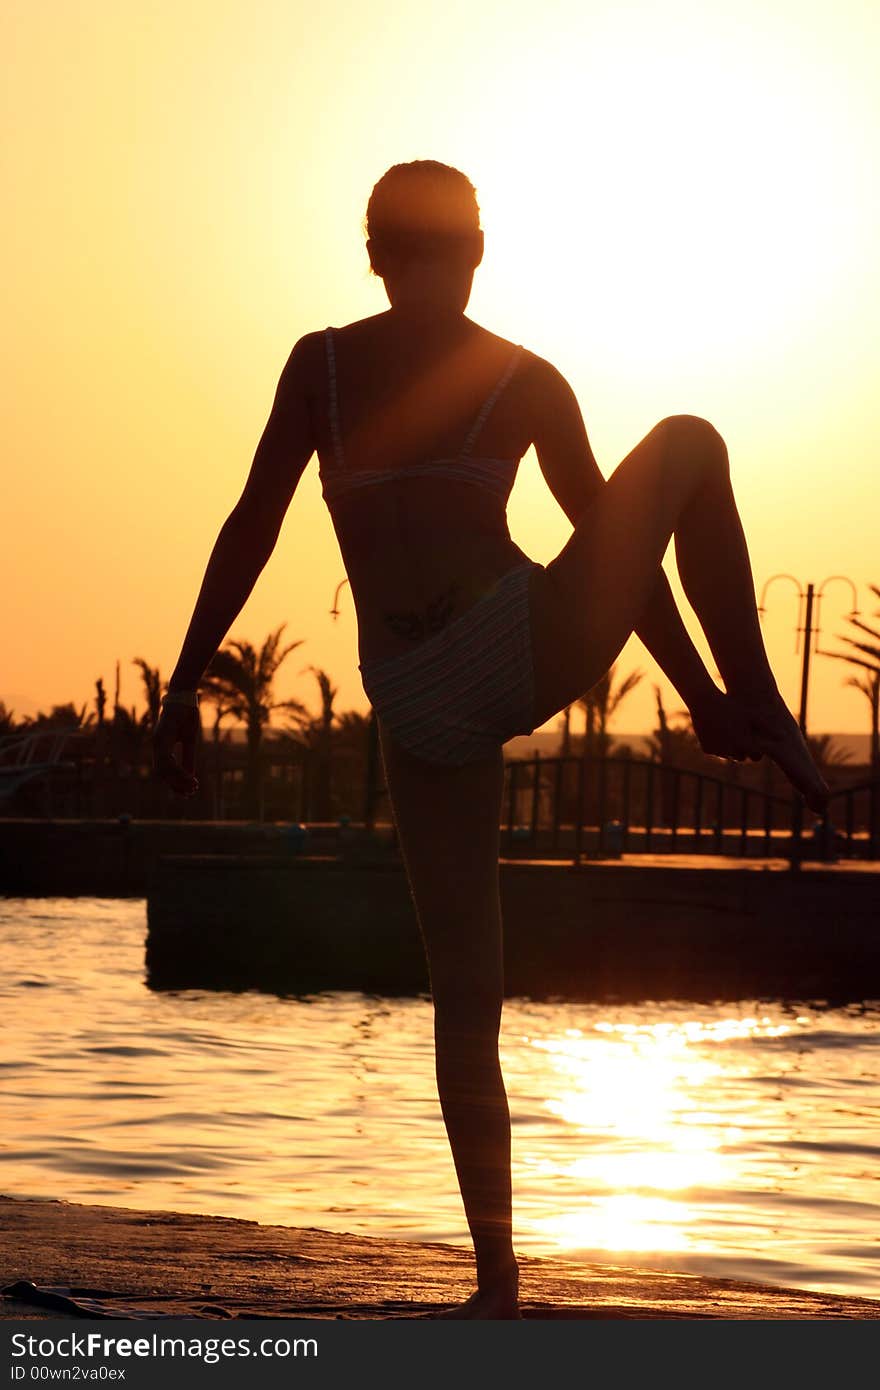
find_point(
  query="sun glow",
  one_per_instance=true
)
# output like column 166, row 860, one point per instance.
column 682, row 203
column 681, row 207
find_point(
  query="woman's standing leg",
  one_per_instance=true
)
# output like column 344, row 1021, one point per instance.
column 589, row 599
column 448, row 824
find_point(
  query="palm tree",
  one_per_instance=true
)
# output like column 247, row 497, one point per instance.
column 152, row 690
column 239, row 678
column 826, row 753
column 352, row 732
column 318, row 736
column 328, row 695
column 675, row 745
column 100, row 700
column 600, row 704
column 7, row 720
column 869, row 684
column 65, row 716
column 128, row 734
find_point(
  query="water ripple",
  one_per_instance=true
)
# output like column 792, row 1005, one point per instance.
column 735, row 1140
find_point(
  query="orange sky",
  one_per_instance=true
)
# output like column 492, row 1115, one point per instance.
column 187, row 186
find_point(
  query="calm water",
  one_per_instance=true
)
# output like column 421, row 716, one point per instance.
column 735, row 1140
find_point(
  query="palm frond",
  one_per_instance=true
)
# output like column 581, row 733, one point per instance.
column 270, row 658
column 292, row 706
column 232, row 671
column 854, row 661
column 864, row 627
column 627, row 685
column 327, row 689
column 866, row 648
column 281, row 656
column 266, row 655
column 866, row 684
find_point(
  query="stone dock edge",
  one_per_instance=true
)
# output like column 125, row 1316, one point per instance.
column 67, row 1259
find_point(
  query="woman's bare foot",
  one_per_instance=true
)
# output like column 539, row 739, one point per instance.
column 778, row 735
column 482, row 1307
column 498, row 1300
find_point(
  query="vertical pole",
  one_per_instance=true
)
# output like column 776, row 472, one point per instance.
column 805, row 668
column 372, row 765
column 566, row 731
column 511, row 803
column 627, row 774
column 558, row 786
column 797, row 807
column 536, row 791
column 719, row 817
column 579, row 823
column 649, row 804
column 744, row 824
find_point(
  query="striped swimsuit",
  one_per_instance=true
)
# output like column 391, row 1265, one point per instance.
column 460, row 693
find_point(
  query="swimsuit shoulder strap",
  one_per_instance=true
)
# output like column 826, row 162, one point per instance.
column 490, row 401
column 333, row 397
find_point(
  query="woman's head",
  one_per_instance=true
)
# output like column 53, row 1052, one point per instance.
column 423, row 212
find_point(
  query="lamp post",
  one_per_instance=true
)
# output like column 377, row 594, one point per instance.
column 334, row 611
column 808, row 599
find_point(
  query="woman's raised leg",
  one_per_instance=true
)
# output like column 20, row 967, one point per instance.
column 448, row 825
column 587, row 601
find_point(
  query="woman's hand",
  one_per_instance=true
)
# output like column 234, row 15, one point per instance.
column 725, row 728
column 178, row 724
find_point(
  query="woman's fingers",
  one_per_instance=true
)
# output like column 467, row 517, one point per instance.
column 188, row 750
column 170, row 771
column 177, row 728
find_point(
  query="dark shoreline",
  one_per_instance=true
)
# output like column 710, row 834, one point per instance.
column 105, row 1261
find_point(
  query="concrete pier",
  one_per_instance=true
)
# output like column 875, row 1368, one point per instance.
column 61, row 1259
column 237, row 906
column 690, row 929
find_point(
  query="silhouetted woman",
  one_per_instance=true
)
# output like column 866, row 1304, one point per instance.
column 419, row 418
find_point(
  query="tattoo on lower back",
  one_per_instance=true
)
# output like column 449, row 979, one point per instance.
column 412, row 624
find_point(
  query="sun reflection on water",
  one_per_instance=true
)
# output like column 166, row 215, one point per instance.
column 645, row 1088
column 737, row 1140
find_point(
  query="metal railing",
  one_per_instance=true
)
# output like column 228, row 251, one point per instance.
column 580, row 807
column 34, row 755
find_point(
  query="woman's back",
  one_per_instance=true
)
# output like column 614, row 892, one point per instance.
column 419, row 427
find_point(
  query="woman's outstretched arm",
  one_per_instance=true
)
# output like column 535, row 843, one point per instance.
column 250, row 532
column 246, row 540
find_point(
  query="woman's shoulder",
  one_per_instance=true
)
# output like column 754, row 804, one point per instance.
column 311, row 352
column 314, row 342
column 539, row 374
column 355, row 329
column 530, row 363
column 532, row 369
column 533, row 362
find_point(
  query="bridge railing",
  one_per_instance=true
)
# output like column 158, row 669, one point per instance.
column 581, row 807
